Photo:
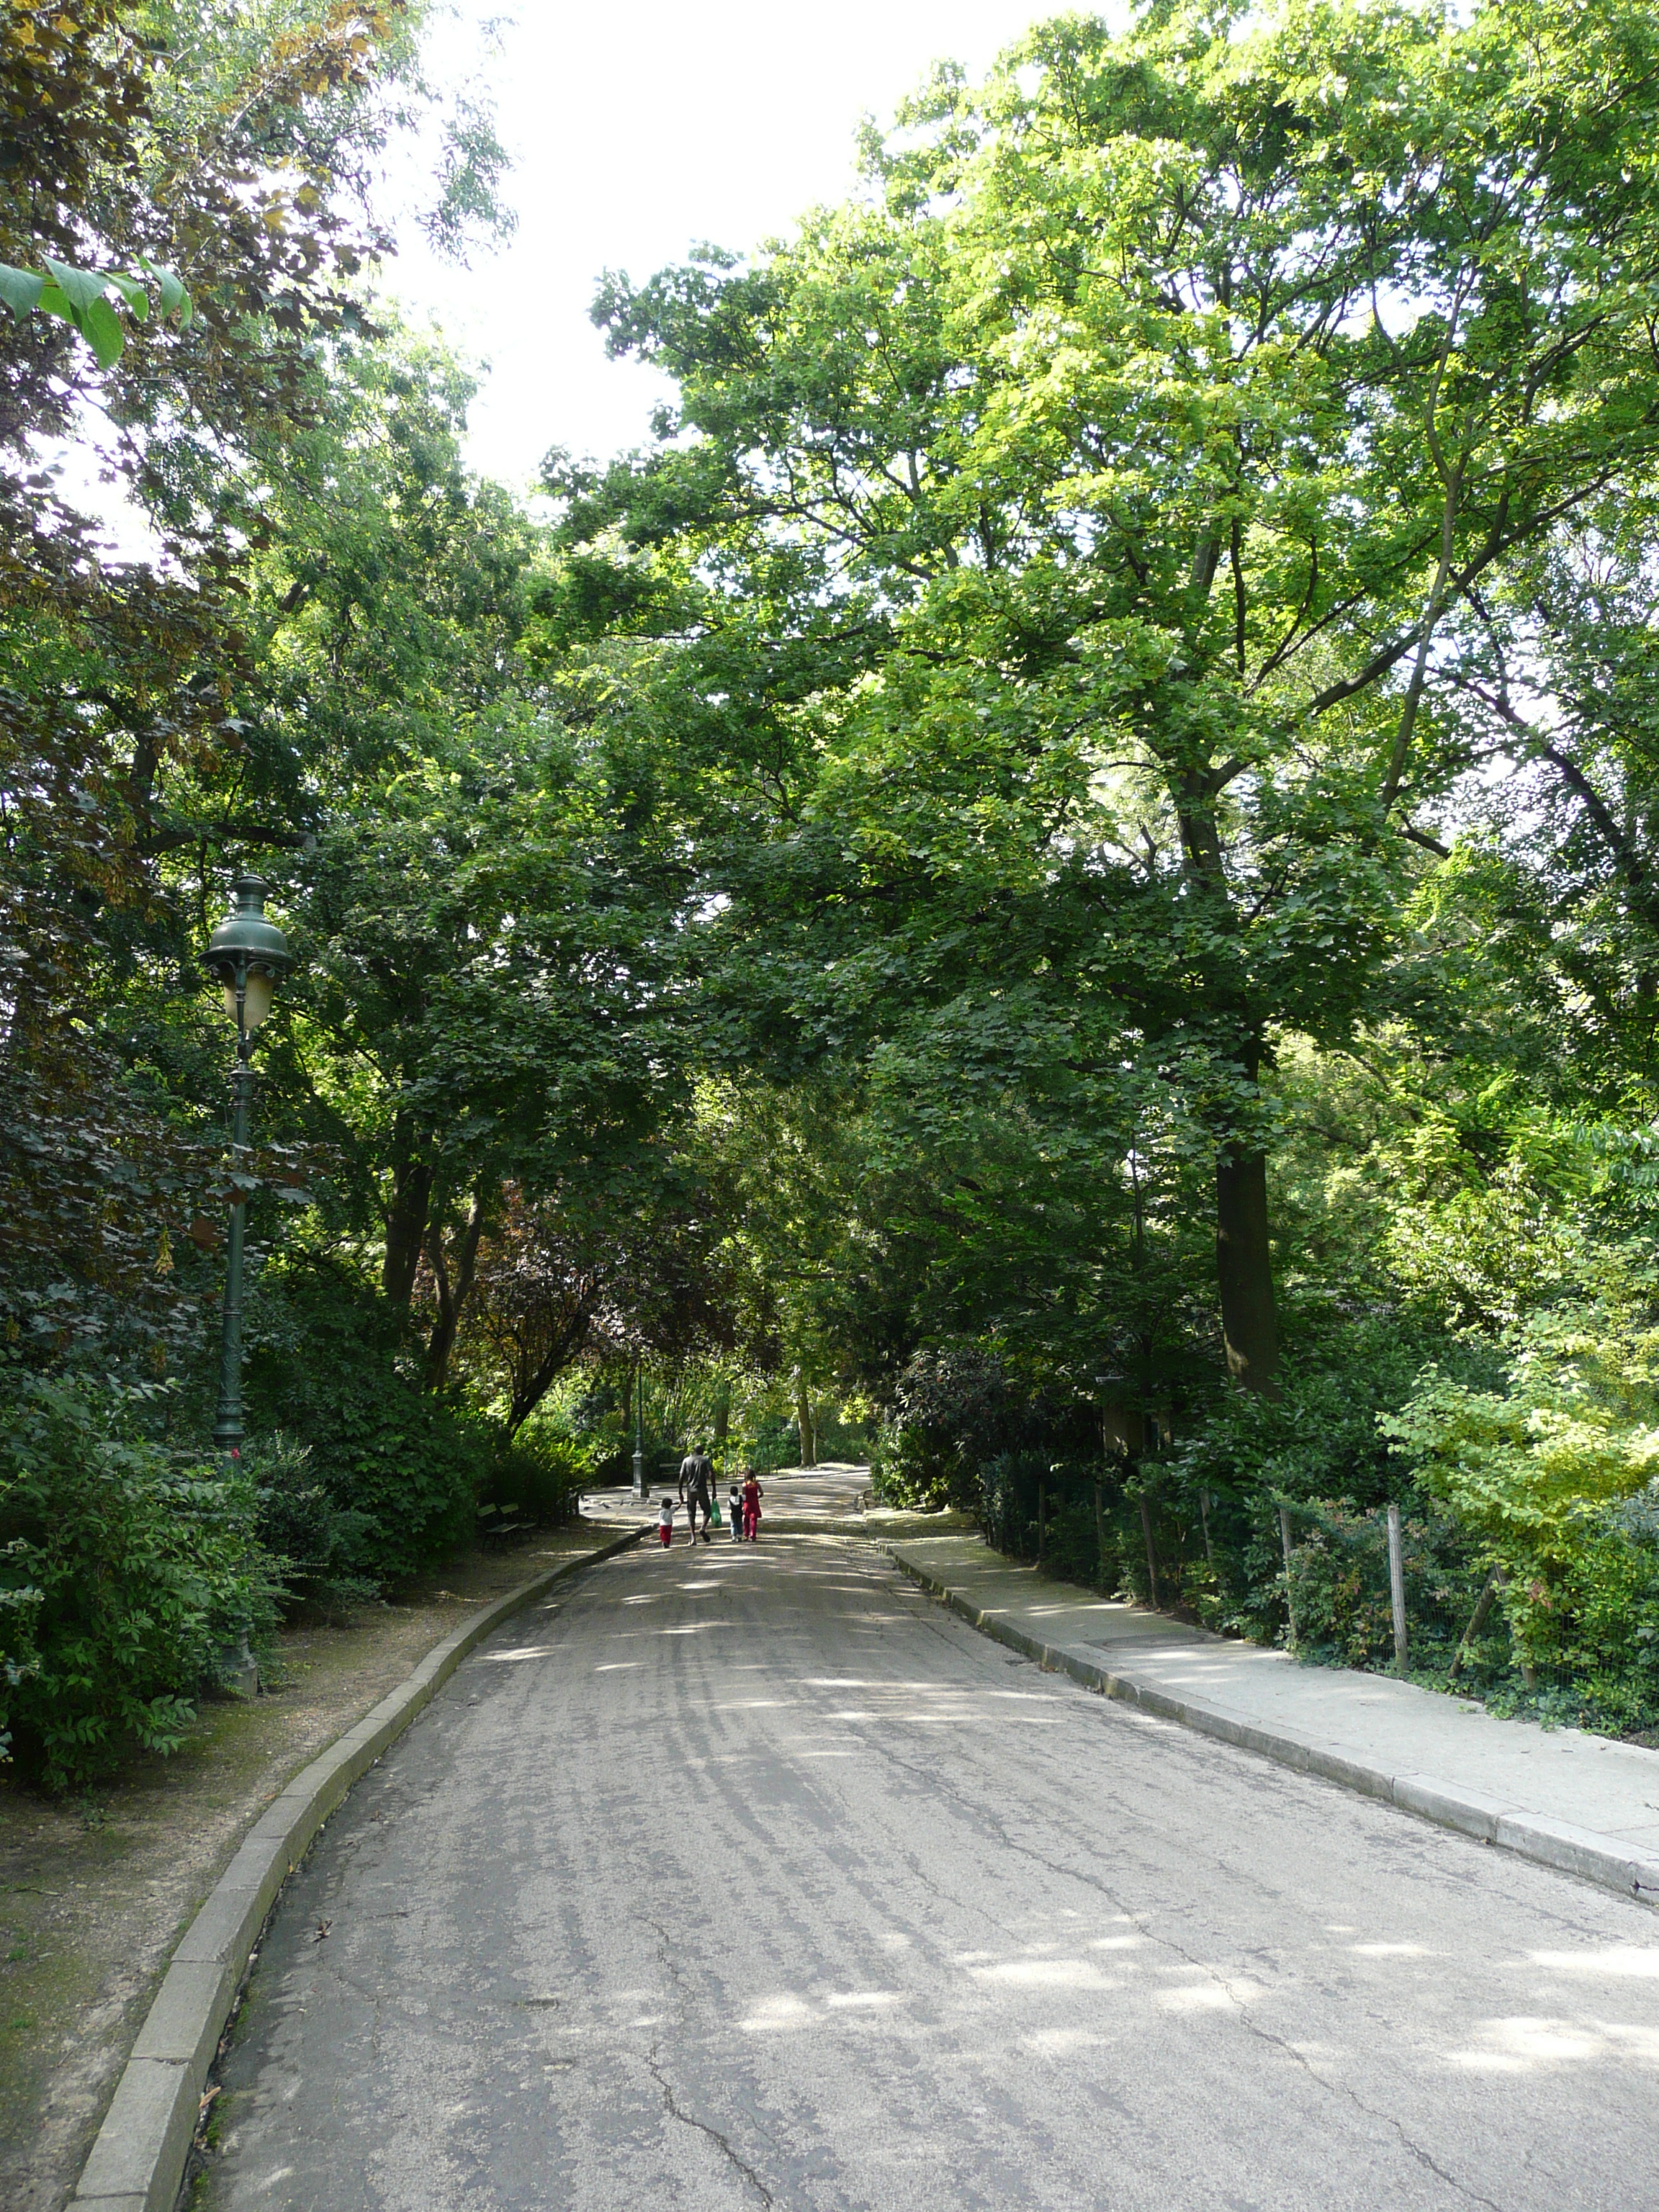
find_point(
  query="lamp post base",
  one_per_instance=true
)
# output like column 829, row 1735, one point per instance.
column 238, row 1672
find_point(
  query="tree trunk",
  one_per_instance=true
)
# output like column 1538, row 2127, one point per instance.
column 1477, row 1622
column 405, row 1219
column 453, row 1290
column 532, row 1383
column 1249, row 1320
column 1249, row 1323
column 1151, row 1550
column 804, row 1420
column 723, row 1426
column 1244, row 1258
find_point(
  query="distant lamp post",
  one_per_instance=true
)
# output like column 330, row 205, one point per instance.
column 638, row 1431
column 248, row 957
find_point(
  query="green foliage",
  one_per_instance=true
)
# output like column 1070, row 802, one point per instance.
column 1007, row 1501
column 539, row 1476
column 846, row 915
column 79, row 297
column 1055, row 632
column 1338, row 1585
column 400, row 1469
column 1591, row 1632
column 1071, row 1549
column 129, row 1569
column 1535, row 1472
column 302, row 1527
column 773, row 1441
column 953, row 1407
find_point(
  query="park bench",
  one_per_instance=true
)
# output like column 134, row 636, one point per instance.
column 502, row 1525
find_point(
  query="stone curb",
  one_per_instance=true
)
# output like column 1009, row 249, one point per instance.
column 138, row 2162
column 1594, row 1857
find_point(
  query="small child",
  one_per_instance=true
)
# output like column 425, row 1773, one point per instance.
column 734, row 1500
column 665, row 1522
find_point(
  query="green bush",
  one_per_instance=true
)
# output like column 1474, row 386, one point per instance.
column 1553, row 1478
column 127, row 1572
column 324, row 1370
column 954, row 1411
column 1071, row 1549
column 774, row 1444
column 1007, row 1499
column 300, row 1524
column 540, row 1475
column 1340, row 1584
column 908, row 1469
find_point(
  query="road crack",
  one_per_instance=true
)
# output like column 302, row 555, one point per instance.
column 672, row 2105
column 675, row 2110
column 1371, row 2112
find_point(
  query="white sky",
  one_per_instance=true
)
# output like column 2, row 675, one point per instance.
column 638, row 130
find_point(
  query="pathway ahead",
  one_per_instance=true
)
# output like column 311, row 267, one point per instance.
column 752, row 1877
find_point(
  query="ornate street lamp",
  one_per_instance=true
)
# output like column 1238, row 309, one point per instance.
column 249, row 957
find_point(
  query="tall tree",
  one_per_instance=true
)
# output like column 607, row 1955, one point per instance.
column 1076, row 517
column 229, row 147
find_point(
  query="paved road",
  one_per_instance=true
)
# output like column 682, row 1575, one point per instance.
column 751, row 1877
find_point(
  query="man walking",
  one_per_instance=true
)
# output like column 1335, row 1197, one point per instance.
column 697, row 1489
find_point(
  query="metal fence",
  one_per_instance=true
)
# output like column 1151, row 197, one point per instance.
column 1341, row 1587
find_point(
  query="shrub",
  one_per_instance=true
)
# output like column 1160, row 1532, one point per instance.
column 322, row 1369
column 774, row 1443
column 1072, row 1549
column 1007, row 1500
column 1547, row 1476
column 1340, row 1582
column 953, row 1410
column 128, row 1571
column 539, row 1476
column 906, row 1469
column 314, row 1540
column 957, row 1411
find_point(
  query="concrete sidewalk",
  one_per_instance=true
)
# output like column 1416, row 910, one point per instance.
column 1582, row 1804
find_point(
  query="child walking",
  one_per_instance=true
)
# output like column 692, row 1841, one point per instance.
column 665, row 1522
column 752, row 1494
column 734, row 1502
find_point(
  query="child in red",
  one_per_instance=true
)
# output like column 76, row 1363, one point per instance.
column 752, row 1495
column 665, row 1522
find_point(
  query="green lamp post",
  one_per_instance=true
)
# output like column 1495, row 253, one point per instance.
column 639, row 1428
column 248, row 956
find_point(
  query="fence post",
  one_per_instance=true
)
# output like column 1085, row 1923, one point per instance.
column 1151, row 1550
column 1043, row 1517
column 1397, row 1587
column 1290, row 1588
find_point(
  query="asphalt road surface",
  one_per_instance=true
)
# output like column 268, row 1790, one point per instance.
column 747, row 1877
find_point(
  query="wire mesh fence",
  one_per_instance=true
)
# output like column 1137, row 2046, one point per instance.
column 1575, row 1641
column 1573, row 1636
column 1339, row 1593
